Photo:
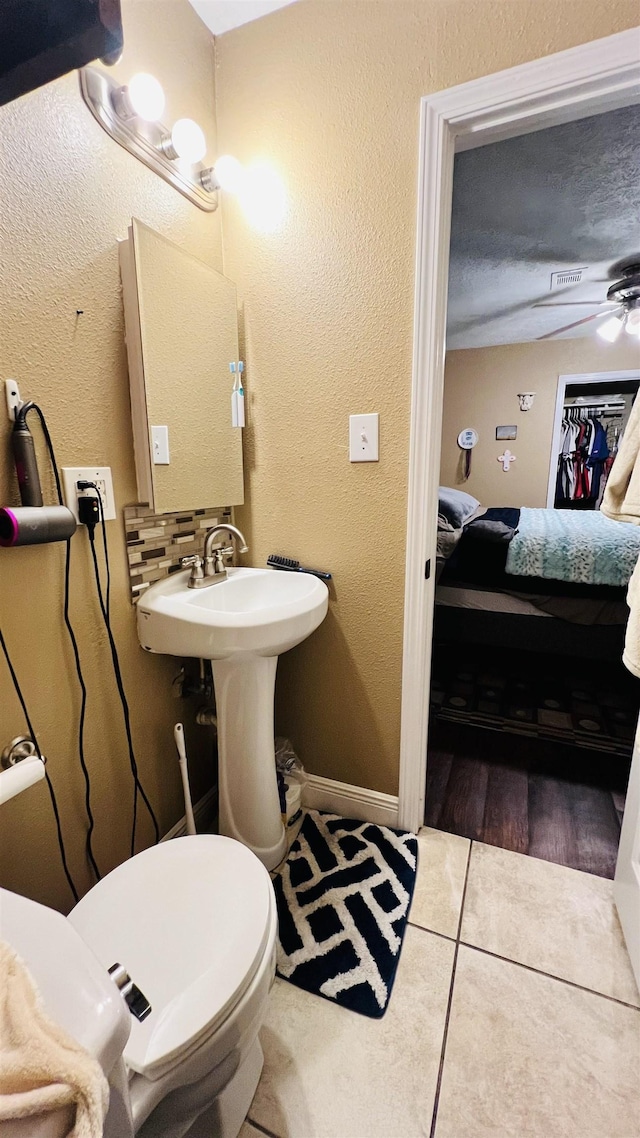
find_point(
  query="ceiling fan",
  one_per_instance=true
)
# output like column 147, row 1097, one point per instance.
column 622, row 304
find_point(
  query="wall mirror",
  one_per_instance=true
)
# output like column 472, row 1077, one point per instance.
column 182, row 334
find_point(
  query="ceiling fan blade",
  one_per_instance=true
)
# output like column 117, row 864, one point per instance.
column 576, row 324
column 573, row 303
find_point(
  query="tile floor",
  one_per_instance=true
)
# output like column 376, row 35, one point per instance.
column 514, row 1015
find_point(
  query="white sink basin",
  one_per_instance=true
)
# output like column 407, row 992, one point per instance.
column 264, row 611
column 242, row 625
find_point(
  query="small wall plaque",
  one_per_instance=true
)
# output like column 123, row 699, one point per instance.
column 526, row 399
column 503, row 433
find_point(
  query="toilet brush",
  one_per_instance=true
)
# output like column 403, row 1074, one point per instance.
column 178, row 734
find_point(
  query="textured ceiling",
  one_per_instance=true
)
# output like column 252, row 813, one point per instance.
column 561, row 198
column 222, row 15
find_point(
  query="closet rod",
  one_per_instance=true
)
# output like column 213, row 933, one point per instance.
column 594, row 406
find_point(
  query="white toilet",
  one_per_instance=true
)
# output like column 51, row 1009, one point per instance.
column 193, row 921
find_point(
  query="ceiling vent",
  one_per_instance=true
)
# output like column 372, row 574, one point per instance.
column 567, row 277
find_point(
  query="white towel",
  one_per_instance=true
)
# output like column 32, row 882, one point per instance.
column 42, row 1069
column 631, row 655
column 621, row 501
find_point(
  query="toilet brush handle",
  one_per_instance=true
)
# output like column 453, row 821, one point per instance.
column 178, row 734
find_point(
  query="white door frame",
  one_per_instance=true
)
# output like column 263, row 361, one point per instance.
column 565, row 381
column 595, row 77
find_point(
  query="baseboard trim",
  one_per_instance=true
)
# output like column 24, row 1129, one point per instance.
column 350, row 801
column 203, row 811
column 319, row 794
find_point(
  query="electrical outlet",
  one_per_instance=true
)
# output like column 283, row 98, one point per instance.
column 101, row 475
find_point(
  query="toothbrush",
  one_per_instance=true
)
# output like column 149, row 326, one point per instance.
column 240, row 395
column 234, row 396
column 178, row 734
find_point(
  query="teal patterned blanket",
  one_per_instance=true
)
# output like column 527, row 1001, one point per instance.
column 583, row 547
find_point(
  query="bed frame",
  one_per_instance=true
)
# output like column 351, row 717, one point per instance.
column 460, row 626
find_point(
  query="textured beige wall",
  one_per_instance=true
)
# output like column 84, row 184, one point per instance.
column 480, row 390
column 67, row 193
column 329, row 91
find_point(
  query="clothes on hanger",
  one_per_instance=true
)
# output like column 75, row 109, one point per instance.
column 582, row 461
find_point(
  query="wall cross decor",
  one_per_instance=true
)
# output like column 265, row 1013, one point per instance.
column 506, row 459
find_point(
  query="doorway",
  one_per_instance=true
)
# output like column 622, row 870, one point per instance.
column 574, row 84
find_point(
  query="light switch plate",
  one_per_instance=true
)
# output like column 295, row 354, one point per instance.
column 101, row 475
column 363, row 438
column 160, row 446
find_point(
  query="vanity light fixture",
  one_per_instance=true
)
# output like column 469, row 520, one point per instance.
column 186, row 141
column 229, row 173
column 131, row 115
column 142, row 97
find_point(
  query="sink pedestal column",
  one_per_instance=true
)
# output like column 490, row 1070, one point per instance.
column 248, row 788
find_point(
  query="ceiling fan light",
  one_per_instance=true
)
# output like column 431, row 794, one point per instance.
column 611, row 329
column 632, row 326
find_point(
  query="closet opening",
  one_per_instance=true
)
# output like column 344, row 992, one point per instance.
column 592, row 412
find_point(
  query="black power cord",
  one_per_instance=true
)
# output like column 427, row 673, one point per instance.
column 89, row 509
column 54, row 804
column 74, row 645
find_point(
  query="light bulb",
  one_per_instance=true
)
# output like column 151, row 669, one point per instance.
column 146, row 96
column 230, row 174
column 263, row 198
column 611, row 329
column 632, row 325
column 188, row 140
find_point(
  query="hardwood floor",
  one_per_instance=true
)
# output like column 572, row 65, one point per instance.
column 535, row 798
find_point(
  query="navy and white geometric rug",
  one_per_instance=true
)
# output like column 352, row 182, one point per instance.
column 343, row 900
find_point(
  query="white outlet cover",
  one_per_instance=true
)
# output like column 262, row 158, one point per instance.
column 101, row 475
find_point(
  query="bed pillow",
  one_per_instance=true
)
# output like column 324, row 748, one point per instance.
column 490, row 531
column 498, row 524
column 456, row 505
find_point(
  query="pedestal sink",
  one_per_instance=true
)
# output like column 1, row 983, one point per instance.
column 241, row 624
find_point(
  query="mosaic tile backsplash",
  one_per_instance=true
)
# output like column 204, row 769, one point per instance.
column 156, row 543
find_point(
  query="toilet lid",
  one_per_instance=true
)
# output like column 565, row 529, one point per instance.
column 189, row 921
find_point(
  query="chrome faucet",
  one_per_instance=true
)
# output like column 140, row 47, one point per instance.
column 210, row 568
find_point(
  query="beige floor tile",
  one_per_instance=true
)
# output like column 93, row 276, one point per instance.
column 528, row 1056
column 442, row 865
column 330, row 1073
column 548, row 916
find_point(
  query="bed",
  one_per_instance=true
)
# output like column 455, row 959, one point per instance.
column 536, row 579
